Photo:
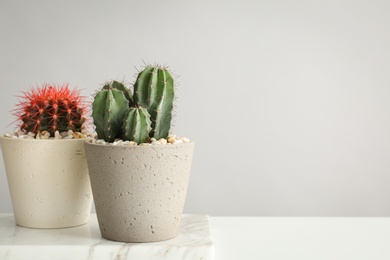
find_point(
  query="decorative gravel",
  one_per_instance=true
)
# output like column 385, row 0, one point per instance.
column 172, row 139
column 46, row 135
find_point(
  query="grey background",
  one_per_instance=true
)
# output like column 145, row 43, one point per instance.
column 288, row 101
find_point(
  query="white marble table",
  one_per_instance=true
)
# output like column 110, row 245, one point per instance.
column 301, row 238
column 85, row 242
column 233, row 238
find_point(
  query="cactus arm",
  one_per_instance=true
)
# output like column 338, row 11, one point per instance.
column 163, row 105
column 143, row 86
column 116, row 107
column 154, row 89
column 108, row 108
column 120, row 86
column 98, row 112
column 137, row 125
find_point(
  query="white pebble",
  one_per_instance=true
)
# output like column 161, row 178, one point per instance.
column 31, row 134
column 7, row 135
column 145, row 144
column 57, row 135
column 70, row 132
column 68, row 137
column 153, row 140
column 118, row 142
column 156, row 143
column 100, row 141
column 163, row 141
column 185, row 140
column 177, row 141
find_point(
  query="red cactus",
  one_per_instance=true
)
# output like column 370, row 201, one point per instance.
column 51, row 108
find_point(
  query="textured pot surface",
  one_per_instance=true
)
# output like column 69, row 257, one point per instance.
column 48, row 181
column 139, row 191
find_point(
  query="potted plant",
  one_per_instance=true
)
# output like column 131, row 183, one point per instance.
column 45, row 161
column 139, row 173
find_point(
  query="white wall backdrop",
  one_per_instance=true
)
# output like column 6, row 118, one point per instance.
column 288, row 101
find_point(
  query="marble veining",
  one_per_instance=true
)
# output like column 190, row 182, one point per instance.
column 85, row 242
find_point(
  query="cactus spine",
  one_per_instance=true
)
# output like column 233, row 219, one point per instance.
column 154, row 90
column 145, row 114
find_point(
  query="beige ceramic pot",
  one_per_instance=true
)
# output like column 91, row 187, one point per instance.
column 48, row 182
column 139, row 191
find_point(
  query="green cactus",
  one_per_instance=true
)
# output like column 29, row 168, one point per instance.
column 120, row 86
column 145, row 114
column 108, row 109
column 154, row 89
column 137, row 125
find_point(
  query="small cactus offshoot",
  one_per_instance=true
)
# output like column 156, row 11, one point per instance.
column 51, row 108
column 147, row 113
column 137, row 125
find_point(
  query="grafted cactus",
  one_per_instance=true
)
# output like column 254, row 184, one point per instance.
column 138, row 117
column 154, row 89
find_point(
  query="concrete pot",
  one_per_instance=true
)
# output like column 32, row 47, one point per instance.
column 139, row 191
column 48, row 182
